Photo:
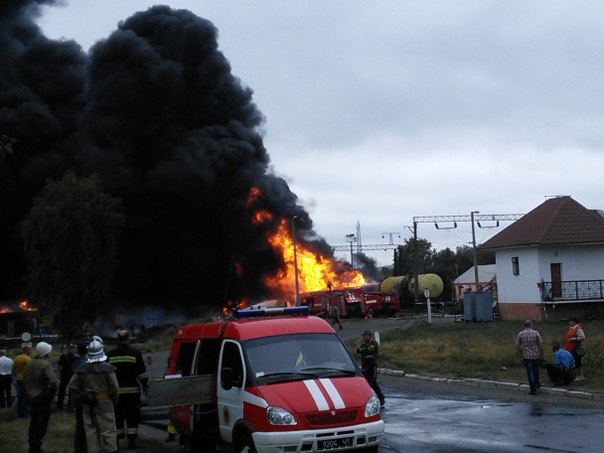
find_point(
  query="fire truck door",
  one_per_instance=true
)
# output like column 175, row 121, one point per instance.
column 203, row 416
column 231, row 388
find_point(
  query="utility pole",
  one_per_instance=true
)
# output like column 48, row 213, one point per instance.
column 297, row 302
column 474, row 258
column 351, row 238
column 415, row 263
column 415, row 260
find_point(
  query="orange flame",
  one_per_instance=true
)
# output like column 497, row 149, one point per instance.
column 24, row 305
column 261, row 216
column 315, row 272
column 253, row 195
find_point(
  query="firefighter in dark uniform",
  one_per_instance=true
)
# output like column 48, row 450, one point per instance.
column 131, row 375
column 369, row 351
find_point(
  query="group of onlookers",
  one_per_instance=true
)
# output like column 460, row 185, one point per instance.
column 566, row 365
column 16, row 368
column 103, row 390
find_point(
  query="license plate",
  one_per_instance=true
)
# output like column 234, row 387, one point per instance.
column 334, row 444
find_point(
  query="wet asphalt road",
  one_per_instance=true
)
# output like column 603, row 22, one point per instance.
column 435, row 417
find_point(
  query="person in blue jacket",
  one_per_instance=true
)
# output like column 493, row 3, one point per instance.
column 562, row 371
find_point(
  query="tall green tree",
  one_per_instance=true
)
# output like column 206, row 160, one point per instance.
column 445, row 267
column 70, row 238
column 404, row 258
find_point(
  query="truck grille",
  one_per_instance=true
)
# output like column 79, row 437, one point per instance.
column 331, row 417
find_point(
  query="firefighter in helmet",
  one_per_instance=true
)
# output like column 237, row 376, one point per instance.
column 131, row 375
column 369, row 351
column 95, row 391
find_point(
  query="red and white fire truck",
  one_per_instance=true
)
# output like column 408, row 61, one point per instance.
column 268, row 380
column 352, row 302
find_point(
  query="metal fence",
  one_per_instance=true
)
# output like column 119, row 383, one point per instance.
column 572, row 290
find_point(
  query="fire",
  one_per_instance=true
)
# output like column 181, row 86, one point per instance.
column 24, row 305
column 231, row 306
column 253, row 195
column 315, row 272
column 262, row 216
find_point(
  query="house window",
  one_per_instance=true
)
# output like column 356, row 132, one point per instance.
column 515, row 266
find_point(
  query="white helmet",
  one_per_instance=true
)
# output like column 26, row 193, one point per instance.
column 96, row 353
column 43, row 349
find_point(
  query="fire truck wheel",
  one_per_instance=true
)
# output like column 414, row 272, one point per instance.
column 246, row 445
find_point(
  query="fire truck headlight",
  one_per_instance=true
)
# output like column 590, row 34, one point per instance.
column 372, row 407
column 279, row 416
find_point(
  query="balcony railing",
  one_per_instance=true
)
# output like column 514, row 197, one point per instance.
column 572, row 290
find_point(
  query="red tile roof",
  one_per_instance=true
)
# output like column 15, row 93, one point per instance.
column 558, row 221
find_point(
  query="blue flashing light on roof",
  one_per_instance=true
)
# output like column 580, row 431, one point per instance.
column 261, row 312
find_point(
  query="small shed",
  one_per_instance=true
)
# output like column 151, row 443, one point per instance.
column 466, row 282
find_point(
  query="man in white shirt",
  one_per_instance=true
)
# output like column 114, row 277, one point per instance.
column 6, row 380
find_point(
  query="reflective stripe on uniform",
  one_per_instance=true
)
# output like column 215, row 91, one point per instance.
column 122, row 359
column 130, row 390
column 171, row 428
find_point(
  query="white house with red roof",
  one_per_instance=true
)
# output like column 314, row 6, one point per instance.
column 550, row 262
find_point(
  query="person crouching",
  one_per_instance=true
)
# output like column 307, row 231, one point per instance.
column 94, row 387
column 562, row 371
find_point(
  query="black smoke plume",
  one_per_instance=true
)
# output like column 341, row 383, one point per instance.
column 155, row 111
column 41, row 99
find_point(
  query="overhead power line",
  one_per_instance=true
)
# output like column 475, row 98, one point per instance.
column 475, row 217
column 340, row 248
column 465, row 218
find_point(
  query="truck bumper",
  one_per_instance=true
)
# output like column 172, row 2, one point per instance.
column 336, row 439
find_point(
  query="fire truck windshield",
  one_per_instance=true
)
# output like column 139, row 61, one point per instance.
column 299, row 356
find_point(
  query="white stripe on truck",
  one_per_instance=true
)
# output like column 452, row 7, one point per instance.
column 317, row 396
column 333, row 393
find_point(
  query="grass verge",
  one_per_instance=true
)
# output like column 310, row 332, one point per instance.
column 60, row 435
column 484, row 350
column 59, row 438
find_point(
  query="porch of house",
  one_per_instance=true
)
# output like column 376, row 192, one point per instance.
column 559, row 300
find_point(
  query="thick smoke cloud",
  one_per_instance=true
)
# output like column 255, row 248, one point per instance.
column 41, row 97
column 155, row 111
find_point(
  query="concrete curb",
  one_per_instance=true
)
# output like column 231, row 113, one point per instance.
column 486, row 383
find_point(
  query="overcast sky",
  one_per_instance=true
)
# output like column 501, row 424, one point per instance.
column 377, row 112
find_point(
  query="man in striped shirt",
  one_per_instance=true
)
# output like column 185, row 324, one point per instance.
column 530, row 344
